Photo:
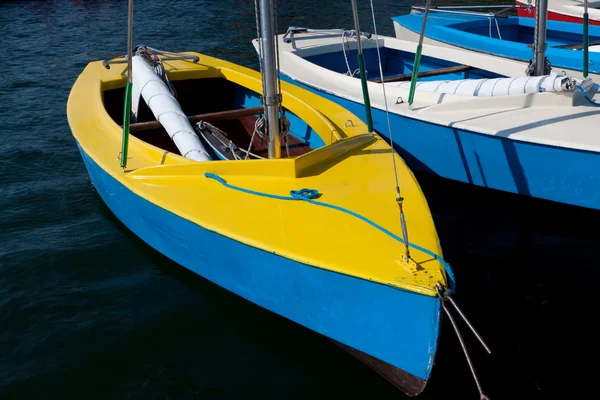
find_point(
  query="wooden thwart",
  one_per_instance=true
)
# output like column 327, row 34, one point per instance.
column 433, row 72
column 209, row 117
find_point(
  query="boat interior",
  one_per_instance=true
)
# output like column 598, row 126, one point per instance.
column 521, row 30
column 397, row 65
column 224, row 120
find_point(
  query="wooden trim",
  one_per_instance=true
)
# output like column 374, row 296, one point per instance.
column 209, row 117
column 433, row 72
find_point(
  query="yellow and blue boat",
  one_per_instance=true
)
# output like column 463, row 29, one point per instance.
column 313, row 235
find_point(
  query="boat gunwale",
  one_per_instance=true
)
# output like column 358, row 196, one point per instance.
column 124, row 179
column 426, row 110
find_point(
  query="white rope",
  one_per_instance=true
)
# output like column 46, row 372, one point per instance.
column 346, row 41
column 259, row 128
column 258, row 125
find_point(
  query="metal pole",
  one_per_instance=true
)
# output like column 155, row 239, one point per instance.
column 415, row 71
column 361, row 67
column 271, row 98
column 127, row 107
column 585, row 38
column 539, row 44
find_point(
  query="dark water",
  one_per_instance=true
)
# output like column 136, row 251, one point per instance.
column 89, row 311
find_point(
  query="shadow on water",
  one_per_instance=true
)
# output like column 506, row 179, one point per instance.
column 89, row 311
column 520, row 264
column 248, row 352
column 526, row 271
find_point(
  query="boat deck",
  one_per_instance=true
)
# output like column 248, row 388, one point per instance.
column 237, row 129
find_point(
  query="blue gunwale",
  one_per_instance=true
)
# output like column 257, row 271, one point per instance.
column 393, row 325
column 458, row 30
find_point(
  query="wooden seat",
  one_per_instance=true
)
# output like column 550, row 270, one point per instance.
column 433, row 72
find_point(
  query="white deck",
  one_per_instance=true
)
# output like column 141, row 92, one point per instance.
column 403, row 33
column 562, row 119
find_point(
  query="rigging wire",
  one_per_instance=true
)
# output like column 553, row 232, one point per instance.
column 399, row 198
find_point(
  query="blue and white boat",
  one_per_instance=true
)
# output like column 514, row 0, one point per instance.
column 501, row 36
column 474, row 119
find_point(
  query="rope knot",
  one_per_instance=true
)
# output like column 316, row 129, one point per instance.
column 304, row 194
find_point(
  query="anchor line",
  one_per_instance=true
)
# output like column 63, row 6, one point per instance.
column 444, row 296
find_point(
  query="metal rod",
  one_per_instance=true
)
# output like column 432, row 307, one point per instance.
column 130, row 41
column 107, row 63
column 415, row 71
column 482, row 396
column 127, row 106
column 361, row 66
column 322, row 33
column 476, row 7
column 400, row 200
column 485, row 346
column 474, row 13
column 271, row 97
column 586, row 38
column 539, row 43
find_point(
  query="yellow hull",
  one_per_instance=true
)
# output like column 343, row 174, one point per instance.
column 353, row 170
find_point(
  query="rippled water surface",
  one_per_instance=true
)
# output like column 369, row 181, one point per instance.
column 87, row 310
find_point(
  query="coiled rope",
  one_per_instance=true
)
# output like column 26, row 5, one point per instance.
column 309, row 195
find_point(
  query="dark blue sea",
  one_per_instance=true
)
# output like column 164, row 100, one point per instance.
column 89, row 311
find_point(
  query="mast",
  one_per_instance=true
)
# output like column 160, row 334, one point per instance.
column 586, row 22
column 361, row 67
column 127, row 107
column 271, row 98
column 539, row 43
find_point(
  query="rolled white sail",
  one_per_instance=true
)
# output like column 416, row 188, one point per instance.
column 496, row 86
column 166, row 110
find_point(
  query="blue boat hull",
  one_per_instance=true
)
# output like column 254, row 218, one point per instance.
column 546, row 172
column 512, row 37
column 385, row 324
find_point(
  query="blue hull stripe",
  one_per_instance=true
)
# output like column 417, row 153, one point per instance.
column 396, row 326
column 552, row 173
